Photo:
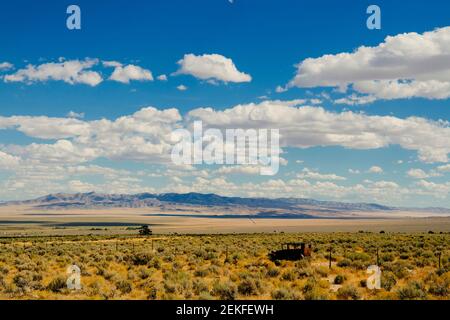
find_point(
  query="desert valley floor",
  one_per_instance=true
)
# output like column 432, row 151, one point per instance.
column 22, row 220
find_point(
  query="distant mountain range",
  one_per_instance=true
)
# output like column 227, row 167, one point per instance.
column 175, row 201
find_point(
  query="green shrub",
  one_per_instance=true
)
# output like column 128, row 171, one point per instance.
column 348, row 292
column 412, row 291
column 57, row 284
column 170, row 286
column 316, row 294
column 152, row 294
column 388, row 257
column 288, row 275
column 21, row 281
column 305, row 272
column 144, row 273
column 322, row 271
column 140, row 259
column 339, row 279
column 201, row 273
column 282, row 294
column 200, row 286
column 344, row 263
column 124, row 286
column 273, row 272
column 4, row 270
column 204, row 295
column 358, row 256
column 388, row 280
column 224, row 290
column 248, row 288
column 440, row 288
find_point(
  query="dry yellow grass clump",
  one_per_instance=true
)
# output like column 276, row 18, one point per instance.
column 225, row 267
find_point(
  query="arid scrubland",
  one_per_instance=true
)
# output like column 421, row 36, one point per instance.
column 225, row 267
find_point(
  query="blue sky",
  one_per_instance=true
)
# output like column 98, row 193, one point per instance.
column 264, row 40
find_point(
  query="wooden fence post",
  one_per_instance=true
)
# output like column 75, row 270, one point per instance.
column 440, row 253
column 329, row 264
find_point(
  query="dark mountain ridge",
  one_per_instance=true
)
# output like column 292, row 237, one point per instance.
column 140, row 200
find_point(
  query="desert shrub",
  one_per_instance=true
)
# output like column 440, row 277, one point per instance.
column 140, row 259
column 442, row 271
column 144, row 273
column 304, row 263
column 440, row 288
column 399, row 269
column 248, row 287
column 201, row 273
column 273, row 272
column 168, row 258
column 36, row 277
column 155, row 263
column 152, row 294
column 288, row 275
column 339, row 279
column 236, row 257
column 321, row 271
column 309, row 285
column 344, row 263
column 413, row 290
column 204, row 295
column 348, row 292
column 200, row 253
column 124, row 286
column 57, row 284
column 224, row 290
column 316, row 294
column 323, row 283
column 210, row 255
column 427, row 254
column 304, row 272
column 358, row 256
column 4, row 270
column 22, row 280
column 108, row 275
column 214, row 269
column 422, row 262
column 170, row 286
column 388, row 257
column 388, row 281
column 282, row 294
column 199, row 286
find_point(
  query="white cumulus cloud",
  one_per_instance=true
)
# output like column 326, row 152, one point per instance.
column 403, row 66
column 314, row 175
column 71, row 71
column 162, row 77
column 421, row 174
column 211, row 67
column 5, row 66
column 375, row 169
column 306, row 126
column 125, row 74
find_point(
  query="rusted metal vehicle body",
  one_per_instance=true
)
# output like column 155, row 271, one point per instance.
column 291, row 251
